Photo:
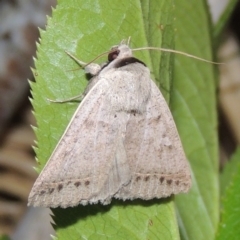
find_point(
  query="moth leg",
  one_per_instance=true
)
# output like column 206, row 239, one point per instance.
column 80, row 97
column 91, row 68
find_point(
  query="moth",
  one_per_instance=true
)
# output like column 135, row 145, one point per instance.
column 121, row 142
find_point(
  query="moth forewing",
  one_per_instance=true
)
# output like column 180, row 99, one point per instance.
column 121, row 143
column 155, row 153
column 60, row 176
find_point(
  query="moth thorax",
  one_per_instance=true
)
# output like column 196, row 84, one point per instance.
column 124, row 51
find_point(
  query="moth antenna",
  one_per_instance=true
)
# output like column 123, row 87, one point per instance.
column 83, row 64
column 100, row 55
column 178, row 52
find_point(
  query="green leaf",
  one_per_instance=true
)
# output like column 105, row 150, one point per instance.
column 88, row 28
column 4, row 237
column 230, row 169
column 193, row 104
column 120, row 220
column 229, row 225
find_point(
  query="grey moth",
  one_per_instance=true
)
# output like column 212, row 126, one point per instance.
column 121, row 142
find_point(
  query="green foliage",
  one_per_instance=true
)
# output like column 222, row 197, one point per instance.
column 88, row 28
column 194, row 109
column 4, row 237
column 230, row 184
column 228, row 173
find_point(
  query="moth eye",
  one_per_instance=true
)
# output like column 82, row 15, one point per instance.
column 113, row 55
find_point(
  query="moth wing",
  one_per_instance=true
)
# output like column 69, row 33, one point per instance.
column 155, row 154
column 89, row 164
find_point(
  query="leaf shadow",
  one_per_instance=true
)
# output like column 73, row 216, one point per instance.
column 69, row 216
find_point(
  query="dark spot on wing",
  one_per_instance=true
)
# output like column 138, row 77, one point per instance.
column 51, row 190
column 134, row 112
column 88, row 123
column 77, row 184
column 161, row 179
column 146, row 178
column 42, row 192
column 69, row 182
column 185, row 184
column 126, row 61
column 154, row 120
column 60, row 187
column 177, row 182
column 138, row 178
column 169, row 182
column 87, row 183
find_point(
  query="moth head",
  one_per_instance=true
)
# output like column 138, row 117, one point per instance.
column 120, row 51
